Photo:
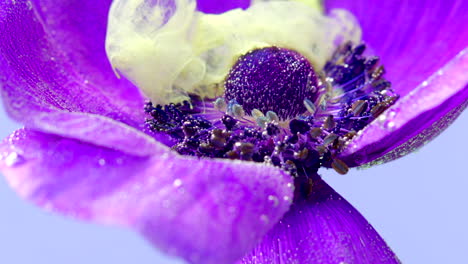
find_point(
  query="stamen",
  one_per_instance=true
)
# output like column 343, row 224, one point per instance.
column 298, row 126
column 358, row 107
column 261, row 121
column 329, row 139
column 229, row 122
column 257, row 113
column 267, row 124
column 315, row 132
column 378, row 109
column 340, row 167
column 272, row 117
column 310, row 106
column 329, row 123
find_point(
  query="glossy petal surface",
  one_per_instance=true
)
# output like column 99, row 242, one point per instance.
column 325, row 229
column 415, row 119
column 53, row 58
column 207, row 211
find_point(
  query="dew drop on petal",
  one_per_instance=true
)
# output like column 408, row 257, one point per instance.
column 177, row 183
column 392, row 113
column 264, row 218
column 387, row 120
column 102, row 162
column 389, row 125
column 274, row 200
column 14, row 159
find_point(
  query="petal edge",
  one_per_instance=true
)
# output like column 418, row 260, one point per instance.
column 438, row 100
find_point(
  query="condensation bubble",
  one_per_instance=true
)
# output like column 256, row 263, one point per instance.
column 265, row 219
column 14, row 159
column 177, row 183
column 274, row 200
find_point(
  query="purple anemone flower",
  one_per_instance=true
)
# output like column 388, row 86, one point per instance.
column 223, row 168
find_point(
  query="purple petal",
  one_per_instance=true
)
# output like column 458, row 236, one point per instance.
column 218, row 7
column 207, row 211
column 414, row 39
column 415, row 119
column 325, row 229
column 97, row 130
column 417, row 42
column 52, row 58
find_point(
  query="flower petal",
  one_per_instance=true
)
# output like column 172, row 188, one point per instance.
column 53, row 58
column 414, row 39
column 218, row 7
column 415, row 119
column 325, row 229
column 207, row 211
column 98, row 130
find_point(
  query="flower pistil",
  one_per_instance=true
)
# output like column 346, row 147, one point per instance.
column 278, row 110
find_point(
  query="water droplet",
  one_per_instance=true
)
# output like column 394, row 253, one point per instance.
column 274, row 200
column 264, row 218
column 382, row 118
column 387, row 120
column 177, row 182
column 390, row 125
column 14, row 159
column 392, row 113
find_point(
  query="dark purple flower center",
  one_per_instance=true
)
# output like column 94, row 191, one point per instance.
column 298, row 122
column 272, row 79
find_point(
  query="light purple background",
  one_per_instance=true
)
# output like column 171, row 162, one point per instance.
column 418, row 204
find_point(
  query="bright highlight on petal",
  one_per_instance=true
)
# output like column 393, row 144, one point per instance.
column 170, row 50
